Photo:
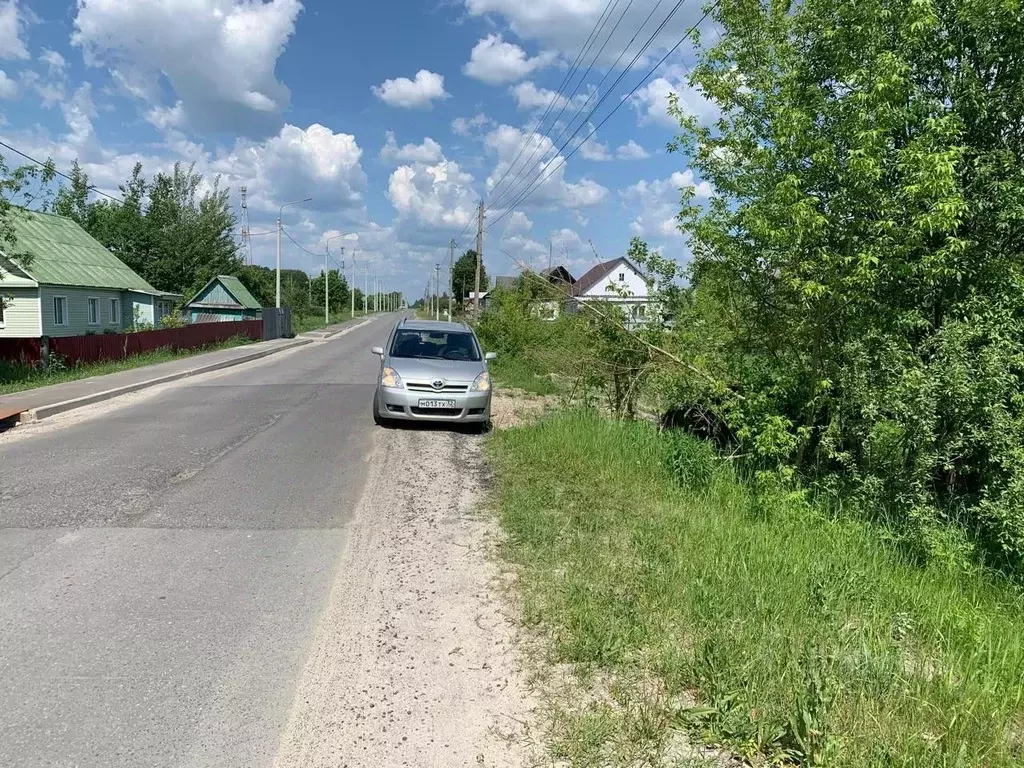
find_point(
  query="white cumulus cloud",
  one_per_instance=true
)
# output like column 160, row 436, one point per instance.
column 12, row 31
column 537, row 161
column 8, row 88
column 419, row 93
column 658, row 203
column 427, row 152
column 632, row 151
column 467, row 126
column 218, row 55
column 651, row 102
column 434, row 197
column 495, row 61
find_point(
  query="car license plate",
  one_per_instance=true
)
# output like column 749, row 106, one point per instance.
column 437, row 403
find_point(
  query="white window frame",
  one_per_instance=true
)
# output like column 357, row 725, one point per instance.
column 115, row 311
column 99, row 311
column 64, row 311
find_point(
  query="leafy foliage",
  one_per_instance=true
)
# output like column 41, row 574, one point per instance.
column 176, row 231
column 857, row 275
column 464, row 276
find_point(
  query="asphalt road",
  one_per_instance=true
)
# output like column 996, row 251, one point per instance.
column 163, row 562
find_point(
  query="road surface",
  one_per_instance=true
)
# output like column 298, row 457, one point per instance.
column 178, row 585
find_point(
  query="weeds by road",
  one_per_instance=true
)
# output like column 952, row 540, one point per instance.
column 689, row 606
column 314, row 322
column 17, row 377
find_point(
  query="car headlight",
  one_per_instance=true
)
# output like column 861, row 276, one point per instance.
column 389, row 378
column 482, row 383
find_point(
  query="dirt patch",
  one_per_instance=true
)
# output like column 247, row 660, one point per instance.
column 514, row 407
column 413, row 662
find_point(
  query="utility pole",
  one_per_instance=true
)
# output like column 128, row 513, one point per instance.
column 280, row 213
column 366, row 287
column 352, row 286
column 479, row 256
column 437, row 290
column 451, row 276
column 327, row 288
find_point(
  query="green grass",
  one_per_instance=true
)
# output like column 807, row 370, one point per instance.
column 518, row 373
column 17, row 377
column 315, row 321
column 752, row 621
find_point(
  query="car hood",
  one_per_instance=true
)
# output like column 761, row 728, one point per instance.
column 428, row 370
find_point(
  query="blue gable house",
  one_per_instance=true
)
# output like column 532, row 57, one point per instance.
column 222, row 299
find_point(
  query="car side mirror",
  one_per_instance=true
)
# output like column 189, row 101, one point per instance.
column 491, row 356
column 378, row 351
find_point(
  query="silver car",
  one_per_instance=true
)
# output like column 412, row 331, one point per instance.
column 433, row 371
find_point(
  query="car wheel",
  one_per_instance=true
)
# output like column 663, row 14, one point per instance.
column 377, row 419
column 483, row 427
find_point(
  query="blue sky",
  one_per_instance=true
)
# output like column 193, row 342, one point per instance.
column 395, row 116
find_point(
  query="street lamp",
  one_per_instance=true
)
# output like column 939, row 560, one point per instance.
column 280, row 212
column 327, row 292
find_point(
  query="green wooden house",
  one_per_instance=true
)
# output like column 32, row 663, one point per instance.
column 57, row 280
column 222, row 299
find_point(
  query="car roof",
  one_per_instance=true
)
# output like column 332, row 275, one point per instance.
column 432, row 325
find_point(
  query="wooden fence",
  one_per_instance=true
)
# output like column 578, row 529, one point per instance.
column 115, row 346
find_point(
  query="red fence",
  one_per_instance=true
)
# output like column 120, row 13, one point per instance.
column 20, row 350
column 111, row 346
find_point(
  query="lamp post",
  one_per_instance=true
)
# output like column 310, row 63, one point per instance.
column 280, row 213
column 327, row 282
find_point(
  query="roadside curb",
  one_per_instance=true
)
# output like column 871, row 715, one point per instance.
column 319, row 335
column 45, row 411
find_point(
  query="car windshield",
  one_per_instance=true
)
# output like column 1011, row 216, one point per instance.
column 436, row 345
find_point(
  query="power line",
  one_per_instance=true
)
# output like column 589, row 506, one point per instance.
column 526, row 170
column 527, row 192
column 554, row 97
column 597, row 106
column 300, row 247
column 51, row 167
column 597, row 90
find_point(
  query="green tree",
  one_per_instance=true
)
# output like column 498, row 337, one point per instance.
column 861, row 258
column 464, row 276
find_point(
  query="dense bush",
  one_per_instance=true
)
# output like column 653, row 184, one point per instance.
column 857, row 275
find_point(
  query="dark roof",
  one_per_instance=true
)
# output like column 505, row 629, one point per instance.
column 593, row 276
column 559, row 273
column 506, row 281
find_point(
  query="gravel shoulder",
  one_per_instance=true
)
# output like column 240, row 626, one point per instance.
column 413, row 661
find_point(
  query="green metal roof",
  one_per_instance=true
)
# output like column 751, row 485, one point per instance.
column 239, row 291
column 62, row 253
column 235, row 287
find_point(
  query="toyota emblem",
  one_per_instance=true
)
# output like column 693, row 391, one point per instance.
column 437, row 384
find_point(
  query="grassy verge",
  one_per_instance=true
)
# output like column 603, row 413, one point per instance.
column 518, row 373
column 17, row 377
column 750, row 621
column 314, row 322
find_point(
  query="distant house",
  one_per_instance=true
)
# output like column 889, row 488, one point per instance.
column 506, row 282
column 222, row 299
column 618, row 282
column 484, row 298
column 57, row 280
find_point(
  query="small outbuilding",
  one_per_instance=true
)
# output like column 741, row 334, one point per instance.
column 223, row 299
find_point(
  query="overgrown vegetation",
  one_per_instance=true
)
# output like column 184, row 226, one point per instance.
column 752, row 620
column 19, row 376
column 857, row 278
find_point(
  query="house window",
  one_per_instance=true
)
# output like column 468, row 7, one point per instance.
column 2, row 312
column 622, row 277
column 115, row 311
column 94, row 311
column 60, row 310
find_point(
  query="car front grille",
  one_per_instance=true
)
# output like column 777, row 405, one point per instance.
column 418, row 386
column 449, row 412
